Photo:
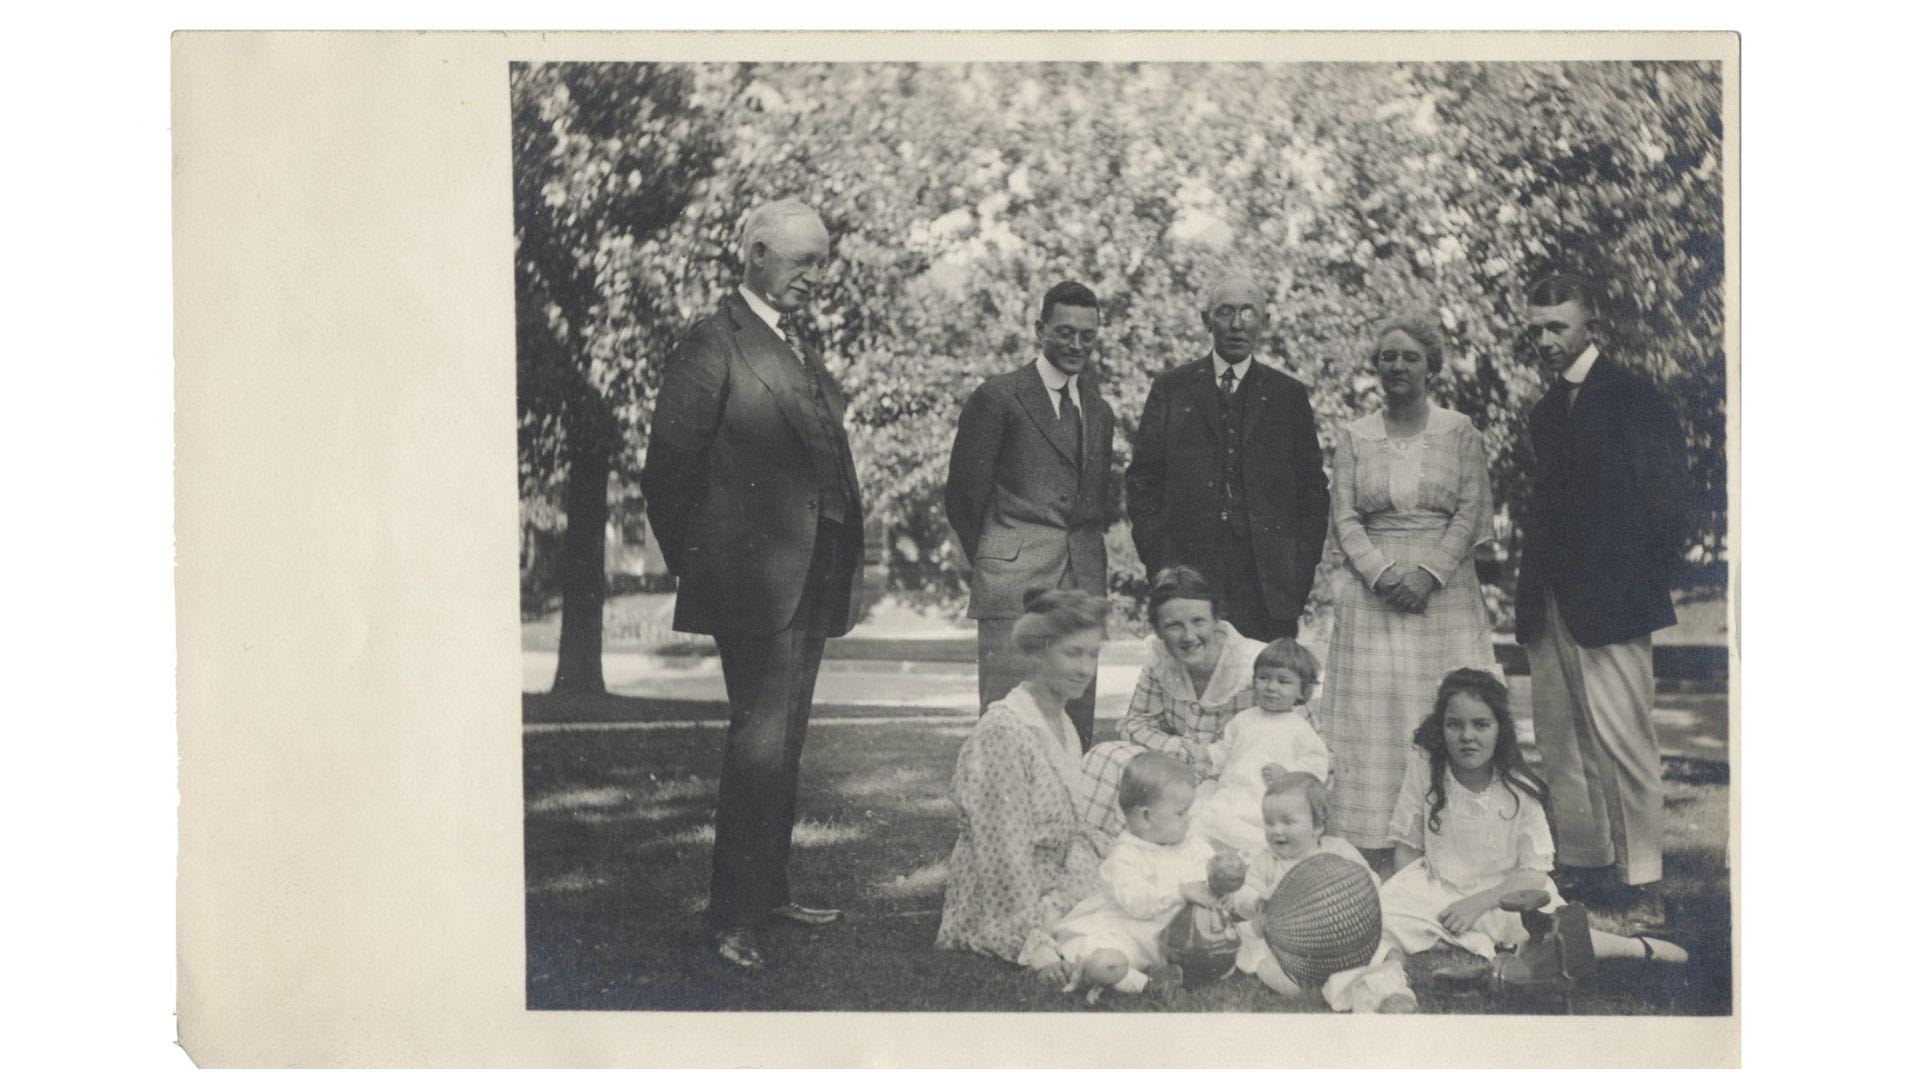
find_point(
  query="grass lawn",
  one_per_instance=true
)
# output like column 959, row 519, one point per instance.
column 619, row 832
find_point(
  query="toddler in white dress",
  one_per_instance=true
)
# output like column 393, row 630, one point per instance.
column 1259, row 745
column 1294, row 811
column 1470, row 827
column 1112, row 938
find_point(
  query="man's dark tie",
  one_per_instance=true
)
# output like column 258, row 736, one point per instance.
column 799, row 349
column 1226, row 382
column 1070, row 414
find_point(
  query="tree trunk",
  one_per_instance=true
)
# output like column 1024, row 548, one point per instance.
column 583, row 561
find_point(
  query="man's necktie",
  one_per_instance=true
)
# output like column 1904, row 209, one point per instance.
column 1226, row 383
column 813, row 376
column 1070, row 414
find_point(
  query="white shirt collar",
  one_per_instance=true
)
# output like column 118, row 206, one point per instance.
column 765, row 310
column 1577, row 372
column 1239, row 370
column 1054, row 379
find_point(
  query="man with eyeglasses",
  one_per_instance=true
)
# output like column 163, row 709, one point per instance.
column 751, row 490
column 1027, row 487
column 1226, row 474
column 1604, row 538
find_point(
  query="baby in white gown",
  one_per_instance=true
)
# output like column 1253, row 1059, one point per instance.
column 1259, row 745
column 1156, row 867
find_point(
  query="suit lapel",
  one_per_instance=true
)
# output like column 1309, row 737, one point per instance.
column 1258, row 392
column 770, row 361
column 1033, row 397
column 1202, row 396
column 1552, row 425
column 1099, row 421
column 829, row 386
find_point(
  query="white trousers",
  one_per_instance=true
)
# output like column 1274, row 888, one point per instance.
column 1593, row 717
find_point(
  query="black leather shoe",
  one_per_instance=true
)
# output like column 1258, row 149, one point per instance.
column 806, row 916
column 1646, row 910
column 740, row 946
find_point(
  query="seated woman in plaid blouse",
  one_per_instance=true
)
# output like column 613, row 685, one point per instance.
column 1198, row 674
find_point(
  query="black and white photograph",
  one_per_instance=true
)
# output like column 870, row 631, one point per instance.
column 970, row 549
column 1197, row 536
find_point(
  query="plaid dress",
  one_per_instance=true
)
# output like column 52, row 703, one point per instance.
column 1422, row 501
column 1167, row 714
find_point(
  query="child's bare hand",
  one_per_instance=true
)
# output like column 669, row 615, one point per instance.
column 1054, row 976
column 1271, row 774
column 1459, row 916
column 1196, row 892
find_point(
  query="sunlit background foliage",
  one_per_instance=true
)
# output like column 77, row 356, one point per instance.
column 957, row 193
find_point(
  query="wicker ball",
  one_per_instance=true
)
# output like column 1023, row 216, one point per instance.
column 1323, row 918
column 1202, row 941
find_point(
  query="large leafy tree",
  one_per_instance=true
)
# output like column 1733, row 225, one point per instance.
column 605, row 158
column 956, row 193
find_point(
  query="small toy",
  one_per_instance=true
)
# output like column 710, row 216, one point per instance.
column 1202, row 940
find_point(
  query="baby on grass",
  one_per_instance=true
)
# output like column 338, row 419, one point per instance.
column 1112, row 938
column 1259, row 745
column 1294, row 817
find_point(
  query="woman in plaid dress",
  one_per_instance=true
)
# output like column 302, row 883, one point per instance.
column 1410, row 500
column 1198, row 674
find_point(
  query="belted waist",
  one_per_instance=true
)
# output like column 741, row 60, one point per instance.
column 1419, row 523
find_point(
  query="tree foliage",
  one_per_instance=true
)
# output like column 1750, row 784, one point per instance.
column 605, row 156
column 956, row 194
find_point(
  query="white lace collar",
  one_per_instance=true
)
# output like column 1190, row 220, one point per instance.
column 1440, row 420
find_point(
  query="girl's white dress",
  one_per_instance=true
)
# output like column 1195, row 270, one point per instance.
column 1482, row 838
column 1139, row 895
column 1254, row 739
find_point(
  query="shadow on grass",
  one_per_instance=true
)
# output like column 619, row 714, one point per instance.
column 618, row 852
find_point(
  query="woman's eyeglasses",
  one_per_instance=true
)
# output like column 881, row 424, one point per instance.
column 1388, row 356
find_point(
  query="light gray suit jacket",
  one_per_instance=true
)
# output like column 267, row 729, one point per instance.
column 1025, row 515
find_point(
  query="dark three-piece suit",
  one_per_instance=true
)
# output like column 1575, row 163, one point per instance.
column 751, row 491
column 1233, row 486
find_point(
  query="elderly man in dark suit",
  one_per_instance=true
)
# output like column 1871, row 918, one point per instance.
column 1226, row 474
column 1027, row 487
column 1604, row 536
column 751, row 490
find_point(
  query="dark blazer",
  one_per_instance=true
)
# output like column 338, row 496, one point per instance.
column 731, row 488
column 1024, row 513
column 1173, row 495
column 1611, row 510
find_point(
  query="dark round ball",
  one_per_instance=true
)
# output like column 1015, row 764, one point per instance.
column 1202, row 941
column 1323, row 918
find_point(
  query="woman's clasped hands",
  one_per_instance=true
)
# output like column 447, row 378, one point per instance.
column 1406, row 588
